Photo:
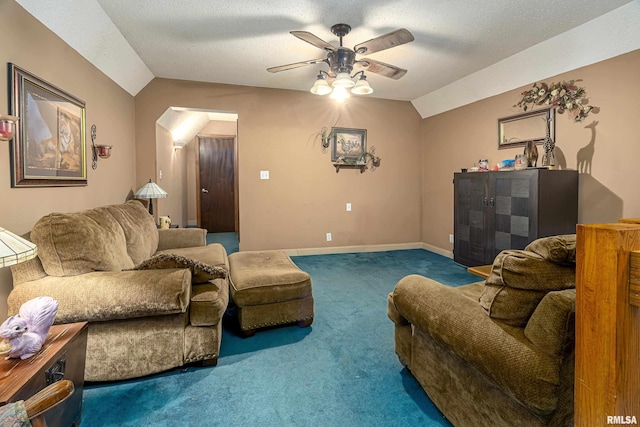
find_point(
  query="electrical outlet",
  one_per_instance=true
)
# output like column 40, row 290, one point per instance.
column 328, row 237
column 450, row 238
column 348, row 207
column 264, row 174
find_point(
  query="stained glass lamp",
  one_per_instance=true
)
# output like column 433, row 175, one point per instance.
column 150, row 191
column 14, row 249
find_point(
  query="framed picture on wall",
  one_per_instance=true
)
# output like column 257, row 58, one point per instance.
column 348, row 144
column 49, row 147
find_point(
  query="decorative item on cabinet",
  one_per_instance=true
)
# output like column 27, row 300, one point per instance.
column 102, row 151
column 548, row 157
column 531, row 154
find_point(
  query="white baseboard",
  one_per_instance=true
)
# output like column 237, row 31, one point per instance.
column 439, row 251
column 365, row 248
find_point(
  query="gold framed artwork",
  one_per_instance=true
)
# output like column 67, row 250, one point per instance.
column 49, row 148
column 348, row 144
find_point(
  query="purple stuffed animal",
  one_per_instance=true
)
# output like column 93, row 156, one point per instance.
column 27, row 330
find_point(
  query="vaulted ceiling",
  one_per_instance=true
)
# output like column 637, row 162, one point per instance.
column 234, row 42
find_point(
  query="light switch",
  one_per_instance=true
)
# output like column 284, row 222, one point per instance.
column 348, row 207
column 264, row 174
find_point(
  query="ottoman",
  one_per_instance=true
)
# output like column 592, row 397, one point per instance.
column 269, row 289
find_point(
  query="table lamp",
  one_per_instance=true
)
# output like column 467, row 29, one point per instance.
column 14, row 249
column 150, row 191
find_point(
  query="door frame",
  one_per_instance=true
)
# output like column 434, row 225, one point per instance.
column 236, row 198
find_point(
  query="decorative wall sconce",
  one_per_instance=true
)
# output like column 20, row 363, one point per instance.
column 326, row 139
column 7, row 127
column 102, row 151
column 370, row 156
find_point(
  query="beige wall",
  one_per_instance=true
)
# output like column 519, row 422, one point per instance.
column 408, row 199
column 608, row 191
column 305, row 197
column 172, row 163
column 30, row 45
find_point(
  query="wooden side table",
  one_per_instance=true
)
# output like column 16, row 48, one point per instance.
column 481, row 270
column 61, row 357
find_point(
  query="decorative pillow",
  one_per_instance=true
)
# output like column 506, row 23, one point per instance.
column 528, row 270
column 512, row 306
column 200, row 272
column 518, row 282
column 553, row 322
column 559, row 249
column 76, row 243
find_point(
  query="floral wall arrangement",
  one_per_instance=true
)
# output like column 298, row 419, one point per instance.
column 565, row 96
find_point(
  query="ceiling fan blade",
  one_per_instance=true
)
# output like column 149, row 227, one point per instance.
column 314, row 40
column 295, row 65
column 381, row 68
column 394, row 38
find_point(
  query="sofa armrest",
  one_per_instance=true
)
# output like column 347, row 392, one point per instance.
column 107, row 295
column 453, row 318
column 173, row 238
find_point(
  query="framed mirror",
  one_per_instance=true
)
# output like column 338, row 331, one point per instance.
column 517, row 130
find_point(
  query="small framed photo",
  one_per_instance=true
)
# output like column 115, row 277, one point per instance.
column 348, row 145
column 49, row 143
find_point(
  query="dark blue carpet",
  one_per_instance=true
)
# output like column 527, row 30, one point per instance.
column 342, row 371
column 228, row 240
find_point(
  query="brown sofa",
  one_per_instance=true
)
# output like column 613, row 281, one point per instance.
column 500, row 352
column 154, row 299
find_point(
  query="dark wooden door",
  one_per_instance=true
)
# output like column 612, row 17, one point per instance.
column 217, row 184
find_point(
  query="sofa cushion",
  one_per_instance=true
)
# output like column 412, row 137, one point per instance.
column 110, row 295
column 559, row 249
column 517, row 283
column 139, row 229
column 76, row 243
column 200, row 272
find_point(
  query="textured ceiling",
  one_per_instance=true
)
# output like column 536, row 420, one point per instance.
column 234, row 42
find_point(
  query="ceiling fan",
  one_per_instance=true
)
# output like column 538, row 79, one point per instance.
column 341, row 61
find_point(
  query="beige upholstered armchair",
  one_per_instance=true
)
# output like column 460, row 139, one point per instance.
column 154, row 299
column 500, row 352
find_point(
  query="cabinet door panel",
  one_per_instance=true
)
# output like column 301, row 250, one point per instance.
column 514, row 215
column 469, row 225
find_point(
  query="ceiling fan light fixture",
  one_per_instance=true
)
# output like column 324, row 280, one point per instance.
column 340, row 94
column 343, row 80
column 321, row 87
column 362, row 87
